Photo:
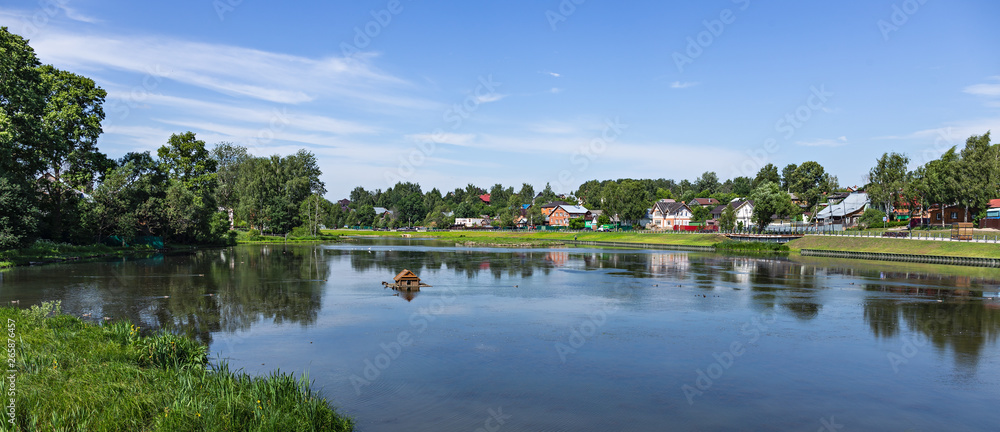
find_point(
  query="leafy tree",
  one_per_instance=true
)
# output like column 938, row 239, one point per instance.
column 788, row 176
column 809, row 181
column 886, row 180
column 410, row 209
column 634, row 201
column 700, row 213
column 767, row 173
column 662, row 193
column 465, row 210
column 603, row 219
column 872, row 218
column 727, row 220
column 769, row 199
column 547, row 194
column 535, row 215
column 361, row 197
column 22, row 142
column 366, row 215
column 190, row 197
column 577, row 223
column 186, row 159
column 709, row 181
column 980, row 172
column 228, row 158
column 527, row 193
column 742, row 186
column 316, row 210
column 18, row 216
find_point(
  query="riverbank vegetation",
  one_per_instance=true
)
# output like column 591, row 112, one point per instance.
column 73, row 375
column 751, row 247
column 545, row 238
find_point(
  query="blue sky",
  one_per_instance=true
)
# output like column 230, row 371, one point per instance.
column 448, row 93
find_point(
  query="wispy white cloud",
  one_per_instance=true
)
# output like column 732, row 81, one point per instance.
column 682, row 85
column 286, row 118
column 841, row 141
column 231, row 70
column 985, row 89
column 491, row 97
column 443, row 138
column 555, row 74
column 76, row 15
column 555, row 90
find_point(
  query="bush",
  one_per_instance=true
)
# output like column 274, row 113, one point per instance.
column 872, row 218
column 750, row 247
column 253, row 235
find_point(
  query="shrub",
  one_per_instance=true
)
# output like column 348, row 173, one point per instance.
column 253, row 235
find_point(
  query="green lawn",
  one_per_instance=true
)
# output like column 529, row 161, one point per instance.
column 76, row 376
column 897, row 246
column 546, row 238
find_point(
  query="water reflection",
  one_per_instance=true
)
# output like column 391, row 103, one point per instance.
column 199, row 293
column 231, row 290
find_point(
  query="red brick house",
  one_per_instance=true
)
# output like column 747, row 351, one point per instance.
column 561, row 215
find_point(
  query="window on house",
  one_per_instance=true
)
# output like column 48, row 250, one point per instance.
column 939, row 216
column 954, row 215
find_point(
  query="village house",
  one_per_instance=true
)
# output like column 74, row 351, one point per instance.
column 743, row 209
column 704, row 202
column 948, row 216
column 992, row 219
column 667, row 215
column 470, row 222
column 562, row 214
column 846, row 212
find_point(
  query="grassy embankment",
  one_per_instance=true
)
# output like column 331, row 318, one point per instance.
column 896, row 246
column 48, row 251
column 72, row 375
column 545, row 238
column 245, row 237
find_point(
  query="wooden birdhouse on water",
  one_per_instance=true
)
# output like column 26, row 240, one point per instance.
column 407, row 280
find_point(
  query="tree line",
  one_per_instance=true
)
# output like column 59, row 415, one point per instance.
column 968, row 178
column 56, row 184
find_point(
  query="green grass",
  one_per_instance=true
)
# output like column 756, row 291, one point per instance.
column 46, row 250
column 243, row 237
column 896, row 246
column 547, row 238
column 76, row 376
column 750, row 247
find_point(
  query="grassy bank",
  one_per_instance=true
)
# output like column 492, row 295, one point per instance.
column 546, row 238
column 48, row 251
column 71, row 375
column 896, row 246
column 244, row 237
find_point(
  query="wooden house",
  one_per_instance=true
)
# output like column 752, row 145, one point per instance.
column 407, row 280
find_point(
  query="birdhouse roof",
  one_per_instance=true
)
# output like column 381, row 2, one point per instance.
column 405, row 275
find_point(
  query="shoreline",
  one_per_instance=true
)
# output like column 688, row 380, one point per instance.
column 884, row 249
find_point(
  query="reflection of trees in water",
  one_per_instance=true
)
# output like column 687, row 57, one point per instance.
column 961, row 321
column 213, row 290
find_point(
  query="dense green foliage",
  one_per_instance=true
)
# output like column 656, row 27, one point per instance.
column 72, row 375
column 769, row 200
column 56, row 184
column 969, row 178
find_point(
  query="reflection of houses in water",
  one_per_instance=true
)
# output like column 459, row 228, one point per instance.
column 669, row 263
column 557, row 259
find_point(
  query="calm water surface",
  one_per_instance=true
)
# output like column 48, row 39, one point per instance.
column 574, row 339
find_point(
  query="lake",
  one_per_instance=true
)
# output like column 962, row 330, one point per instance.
column 573, row 339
